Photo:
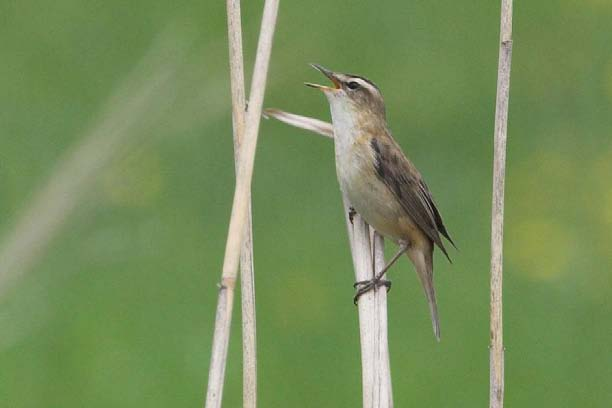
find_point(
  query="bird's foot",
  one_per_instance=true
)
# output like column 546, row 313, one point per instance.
column 351, row 214
column 367, row 285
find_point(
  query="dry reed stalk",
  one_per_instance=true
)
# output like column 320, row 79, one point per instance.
column 496, row 390
column 302, row 122
column 375, row 370
column 247, row 274
column 240, row 206
column 372, row 306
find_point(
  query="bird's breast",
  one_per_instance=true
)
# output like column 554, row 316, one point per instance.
column 355, row 167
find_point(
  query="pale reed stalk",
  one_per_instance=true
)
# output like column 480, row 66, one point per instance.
column 496, row 387
column 247, row 272
column 240, row 208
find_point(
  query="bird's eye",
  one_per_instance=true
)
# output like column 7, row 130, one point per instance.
column 353, row 85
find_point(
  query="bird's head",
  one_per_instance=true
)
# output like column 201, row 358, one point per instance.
column 352, row 94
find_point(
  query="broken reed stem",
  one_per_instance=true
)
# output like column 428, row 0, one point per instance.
column 247, row 274
column 240, row 206
column 302, row 122
column 496, row 390
column 376, row 373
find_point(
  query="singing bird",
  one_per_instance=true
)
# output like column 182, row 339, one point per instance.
column 382, row 185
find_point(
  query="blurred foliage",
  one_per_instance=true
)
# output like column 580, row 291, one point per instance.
column 119, row 311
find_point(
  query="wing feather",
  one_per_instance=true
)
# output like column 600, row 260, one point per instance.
column 406, row 183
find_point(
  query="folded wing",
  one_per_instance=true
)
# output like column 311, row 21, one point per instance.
column 406, row 183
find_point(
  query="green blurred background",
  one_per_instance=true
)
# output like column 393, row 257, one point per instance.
column 118, row 309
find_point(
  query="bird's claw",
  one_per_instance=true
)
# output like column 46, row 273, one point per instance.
column 367, row 285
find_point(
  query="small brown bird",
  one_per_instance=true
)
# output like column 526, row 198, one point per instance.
column 383, row 186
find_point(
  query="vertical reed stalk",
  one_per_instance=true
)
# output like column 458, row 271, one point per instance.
column 247, row 275
column 375, row 369
column 496, row 390
column 240, row 205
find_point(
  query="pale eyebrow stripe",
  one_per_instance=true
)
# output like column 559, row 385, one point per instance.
column 371, row 88
column 365, row 80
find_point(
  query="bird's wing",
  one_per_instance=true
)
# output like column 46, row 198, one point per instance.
column 407, row 185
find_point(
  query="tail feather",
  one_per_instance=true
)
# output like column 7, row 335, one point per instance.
column 430, row 292
column 423, row 263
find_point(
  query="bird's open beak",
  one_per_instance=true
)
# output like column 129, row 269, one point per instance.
column 330, row 74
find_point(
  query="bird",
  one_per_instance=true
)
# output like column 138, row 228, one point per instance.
column 381, row 183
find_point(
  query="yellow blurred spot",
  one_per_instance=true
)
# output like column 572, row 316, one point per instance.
column 543, row 175
column 540, row 248
column 135, row 181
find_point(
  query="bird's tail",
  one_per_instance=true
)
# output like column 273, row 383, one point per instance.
column 423, row 262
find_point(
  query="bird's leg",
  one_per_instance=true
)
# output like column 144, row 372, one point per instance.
column 367, row 285
column 351, row 214
column 403, row 247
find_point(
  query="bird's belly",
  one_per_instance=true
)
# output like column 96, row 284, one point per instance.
column 375, row 203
